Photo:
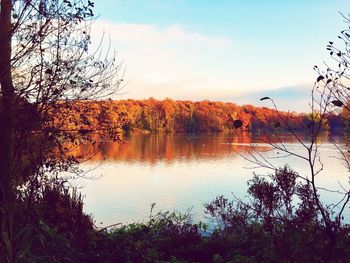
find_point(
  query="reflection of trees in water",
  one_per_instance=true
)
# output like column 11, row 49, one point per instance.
column 171, row 147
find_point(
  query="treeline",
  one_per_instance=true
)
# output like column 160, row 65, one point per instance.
column 168, row 115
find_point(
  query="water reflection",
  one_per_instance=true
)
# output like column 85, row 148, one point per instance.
column 171, row 147
column 181, row 171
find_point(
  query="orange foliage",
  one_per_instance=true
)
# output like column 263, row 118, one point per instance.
column 170, row 116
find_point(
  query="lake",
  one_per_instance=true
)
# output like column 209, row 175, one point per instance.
column 183, row 171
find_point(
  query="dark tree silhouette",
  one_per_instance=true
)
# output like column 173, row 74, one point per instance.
column 45, row 65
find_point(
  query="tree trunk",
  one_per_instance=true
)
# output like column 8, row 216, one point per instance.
column 7, row 100
column 7, row 114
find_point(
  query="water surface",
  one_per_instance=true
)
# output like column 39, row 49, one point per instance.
column 181, row 172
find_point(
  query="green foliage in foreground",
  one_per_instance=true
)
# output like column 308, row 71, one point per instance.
column 281, row 223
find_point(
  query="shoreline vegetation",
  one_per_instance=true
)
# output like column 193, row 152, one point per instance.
column 152, row 116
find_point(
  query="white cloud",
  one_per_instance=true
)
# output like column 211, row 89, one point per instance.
column 175, row 62
column 150, row 35
column 171, row 56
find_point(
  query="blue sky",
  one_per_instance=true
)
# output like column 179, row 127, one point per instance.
column 220, row 50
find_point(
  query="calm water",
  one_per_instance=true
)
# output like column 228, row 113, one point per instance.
column 180, row 172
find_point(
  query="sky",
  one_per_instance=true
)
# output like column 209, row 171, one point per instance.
column 223, row 50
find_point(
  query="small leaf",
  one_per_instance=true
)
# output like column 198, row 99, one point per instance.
column 237, row 124
column 319, row 78
column 328, row 81
column 338, row 103
column 48, row 71
column 265, row 98
column 331, row 42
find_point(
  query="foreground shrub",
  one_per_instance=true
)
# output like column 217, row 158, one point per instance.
column 280, row 223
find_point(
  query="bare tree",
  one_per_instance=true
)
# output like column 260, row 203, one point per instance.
column 330, row 95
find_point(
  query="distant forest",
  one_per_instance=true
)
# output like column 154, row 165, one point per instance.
column 169, row 115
